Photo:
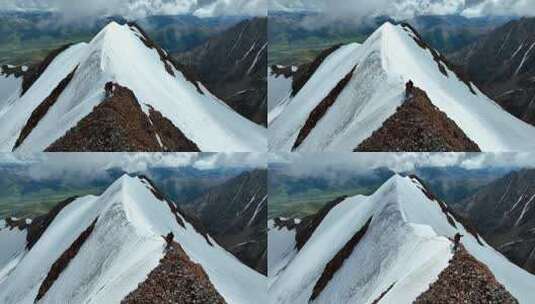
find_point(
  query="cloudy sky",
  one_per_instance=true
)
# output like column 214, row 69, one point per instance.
column 402, row 9
column 141, row 8
column 51, row 165
column 318, row 164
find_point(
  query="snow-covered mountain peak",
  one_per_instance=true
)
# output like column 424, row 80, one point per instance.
column 400, row 239
column 71, row 89
column 353, row 90
column 98, row 249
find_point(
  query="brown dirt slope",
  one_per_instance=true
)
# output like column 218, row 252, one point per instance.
column 118, row 124
column 466, row 281
column 175, row 280
column 418, row 126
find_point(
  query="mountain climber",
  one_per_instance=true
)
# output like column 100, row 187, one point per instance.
column 409, row 88
column 169, row 239
column 456, row 241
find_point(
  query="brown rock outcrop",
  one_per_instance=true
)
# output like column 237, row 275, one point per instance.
column 175, row 280
column 466, row 281
column 118, row 124
column 418, row 126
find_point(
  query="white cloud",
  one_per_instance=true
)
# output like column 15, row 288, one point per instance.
column 142, row 8
column 47, row 165
column 502, row 7
column 402, row 9
column 318, row 164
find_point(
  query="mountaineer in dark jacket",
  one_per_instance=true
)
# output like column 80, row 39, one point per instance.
column 456, row 241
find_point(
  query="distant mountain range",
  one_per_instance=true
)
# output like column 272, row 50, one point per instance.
column 296, row 37
column 24, row 195
column 27, row 37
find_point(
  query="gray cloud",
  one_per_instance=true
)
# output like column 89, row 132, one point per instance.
column 402, row 9
column 53, row 165
column 320, row 164
column 142, row 8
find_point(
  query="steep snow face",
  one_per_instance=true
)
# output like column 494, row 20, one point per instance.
column 281, row 247
column 10, row 87
column 406, row 245
column 12, row 247
column 279, row 90
column 13, row 120
column 124, row 246
column 384, row 63
column 118, row 54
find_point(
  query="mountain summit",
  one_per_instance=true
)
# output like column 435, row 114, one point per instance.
column 120, row 92
column 128, row 245
column 356, row 97
column 398, row 245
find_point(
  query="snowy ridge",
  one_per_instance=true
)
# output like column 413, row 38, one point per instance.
column 203, row 118
column 110, row 263
column 385, row 62
column 407, row 244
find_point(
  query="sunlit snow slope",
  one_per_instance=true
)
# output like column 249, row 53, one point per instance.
column 406, row 245
column 125, row 245
column 118, row 54
column 386, row 61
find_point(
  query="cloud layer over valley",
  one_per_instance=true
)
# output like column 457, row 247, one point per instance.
column 141, row 8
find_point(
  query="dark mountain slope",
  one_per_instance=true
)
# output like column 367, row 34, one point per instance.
column 504, row 212
column 233, row 65
column 502, row 63
column 235, row 214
